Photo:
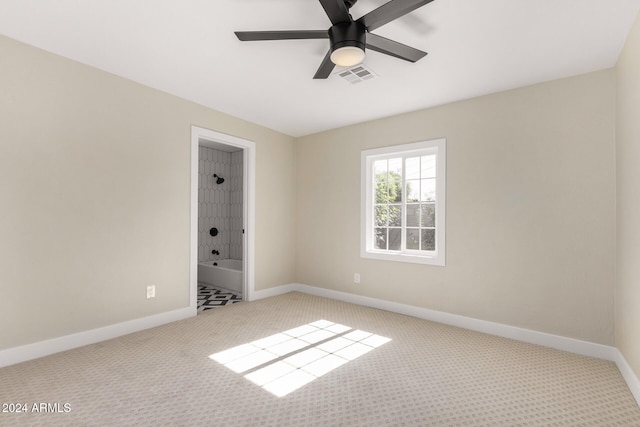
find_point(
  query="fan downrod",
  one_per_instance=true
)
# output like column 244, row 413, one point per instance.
column 350, row 3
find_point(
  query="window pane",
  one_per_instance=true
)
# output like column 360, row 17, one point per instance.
column 413, row 215
column 380, row 170
column 395, row 180
column 413, row 238
column 428, row 240
column 395, row 191
column 428, row 190
column 395, row 237
column 381, row 192
column 381, row 238
column 395, row 215
column 428, row 215
column 413, row 167
column 380, row 216
column 413, row 190
column 428, row 166
column 395, row 168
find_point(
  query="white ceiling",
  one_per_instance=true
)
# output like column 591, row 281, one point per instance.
column 187, row 48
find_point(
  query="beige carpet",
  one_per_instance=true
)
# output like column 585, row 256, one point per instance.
column 409, row 372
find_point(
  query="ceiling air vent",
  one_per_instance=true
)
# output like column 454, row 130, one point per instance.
column 357, row 74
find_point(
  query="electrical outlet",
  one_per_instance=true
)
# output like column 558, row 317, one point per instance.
column 151, row 291
column 356, row 278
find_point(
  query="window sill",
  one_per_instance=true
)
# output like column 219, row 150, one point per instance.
column 400, row 257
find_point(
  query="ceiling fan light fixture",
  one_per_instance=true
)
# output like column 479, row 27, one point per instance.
column 348, row 41
column 347, row 56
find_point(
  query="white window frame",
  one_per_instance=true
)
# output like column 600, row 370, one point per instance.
column 368, row 157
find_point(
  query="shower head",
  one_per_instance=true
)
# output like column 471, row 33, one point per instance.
column 220, row 180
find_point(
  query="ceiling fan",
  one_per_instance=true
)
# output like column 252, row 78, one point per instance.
column 348, row 37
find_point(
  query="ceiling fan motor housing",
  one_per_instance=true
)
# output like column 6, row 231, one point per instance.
column 347, row 34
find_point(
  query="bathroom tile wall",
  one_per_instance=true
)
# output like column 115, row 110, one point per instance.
column 235, row 207
column 219, row 205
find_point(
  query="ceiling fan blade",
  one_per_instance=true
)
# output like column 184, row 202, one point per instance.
column 326, row 67
column 336, row 11
column 390, row 11
column 390, row 47
column 281, row 35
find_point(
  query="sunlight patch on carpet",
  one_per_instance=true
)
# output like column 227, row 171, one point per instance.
column 284, row 362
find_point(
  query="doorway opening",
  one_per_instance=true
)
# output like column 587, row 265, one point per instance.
column 222, row 219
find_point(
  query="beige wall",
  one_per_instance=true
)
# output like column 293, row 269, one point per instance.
column 530, row 209
column 94, row 197
column 628, row 200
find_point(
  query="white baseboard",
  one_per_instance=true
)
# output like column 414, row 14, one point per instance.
column 584, row 348
column 629, row 376
column 275, row 291
column 14, row 355
column 23, row 353
column 33, row 351
column 572, row 345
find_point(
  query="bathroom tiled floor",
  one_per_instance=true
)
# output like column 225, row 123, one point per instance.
column 210, row 297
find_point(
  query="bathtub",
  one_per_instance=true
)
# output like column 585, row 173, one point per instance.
column 226, row 274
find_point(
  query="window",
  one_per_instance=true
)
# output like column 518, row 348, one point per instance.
column 403, row 203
